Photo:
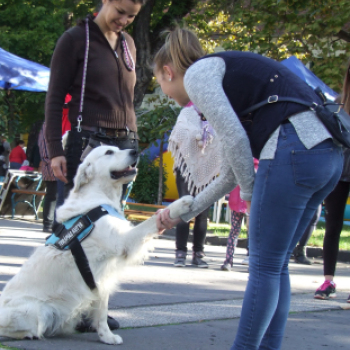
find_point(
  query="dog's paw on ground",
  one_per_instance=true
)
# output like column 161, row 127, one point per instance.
column 181, row 206
column 111, row 339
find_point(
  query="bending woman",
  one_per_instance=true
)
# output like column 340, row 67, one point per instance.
column 299, row 164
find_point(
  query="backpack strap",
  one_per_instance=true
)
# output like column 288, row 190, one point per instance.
column 274, row 99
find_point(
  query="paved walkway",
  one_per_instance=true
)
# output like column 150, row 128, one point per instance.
column 161, row 307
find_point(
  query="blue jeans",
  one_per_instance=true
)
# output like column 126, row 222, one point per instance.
column 287, row 191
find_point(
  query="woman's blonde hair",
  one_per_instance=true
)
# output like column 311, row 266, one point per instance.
column 346, row 90
column 181, row 48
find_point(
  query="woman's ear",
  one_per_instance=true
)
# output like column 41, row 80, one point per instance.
column 168, row 73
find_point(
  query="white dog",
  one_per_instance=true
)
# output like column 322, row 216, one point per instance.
column 49, row 295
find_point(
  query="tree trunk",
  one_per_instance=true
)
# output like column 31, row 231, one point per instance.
column 160, row 181
column 141, row 35
column 10, row 100
column 148, row 40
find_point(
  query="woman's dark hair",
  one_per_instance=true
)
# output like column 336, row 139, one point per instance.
column 20, row 142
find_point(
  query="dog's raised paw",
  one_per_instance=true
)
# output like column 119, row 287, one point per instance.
column 181, row 206
column 111, row 339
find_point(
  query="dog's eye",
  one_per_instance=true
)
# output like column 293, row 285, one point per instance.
column 109, row 152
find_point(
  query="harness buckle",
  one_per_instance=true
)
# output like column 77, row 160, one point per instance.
column 272, row 99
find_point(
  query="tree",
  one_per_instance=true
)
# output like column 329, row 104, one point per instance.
column 30, row 30
column 317, row 32
column 155, row 17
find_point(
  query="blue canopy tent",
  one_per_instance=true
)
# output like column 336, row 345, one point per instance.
column 305, row 74
column 20, row 74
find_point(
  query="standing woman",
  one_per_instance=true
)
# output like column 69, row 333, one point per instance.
column 299, row 165
column 108, row 92
column 335, row 204
column 94, row 62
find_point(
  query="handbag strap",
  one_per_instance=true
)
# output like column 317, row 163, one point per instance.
column 83, row 83
column 274, row 99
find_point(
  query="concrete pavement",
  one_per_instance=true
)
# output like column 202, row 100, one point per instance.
column 161, row 307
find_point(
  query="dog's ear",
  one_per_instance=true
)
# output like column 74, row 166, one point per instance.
column 83, row 176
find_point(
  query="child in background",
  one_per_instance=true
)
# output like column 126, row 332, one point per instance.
column 239, row 209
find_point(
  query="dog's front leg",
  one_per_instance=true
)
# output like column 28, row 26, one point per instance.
column 99, row 317
column 141, row 232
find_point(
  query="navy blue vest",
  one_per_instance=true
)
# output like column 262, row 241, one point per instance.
column 251, row 78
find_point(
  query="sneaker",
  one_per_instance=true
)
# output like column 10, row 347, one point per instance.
column 348, row 299
column 245, row 261
column 197, row 259
column 226, row 267
column 326, row 291
column 180, row 260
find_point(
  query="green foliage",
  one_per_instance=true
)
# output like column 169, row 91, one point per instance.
column 145, row 188
column 314, row 31
column 153, row 124
column 158, row 120
column 30, row 30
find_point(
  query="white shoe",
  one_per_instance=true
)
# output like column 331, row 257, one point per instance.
column 245, row 261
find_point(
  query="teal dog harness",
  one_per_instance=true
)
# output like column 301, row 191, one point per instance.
column 69, row 234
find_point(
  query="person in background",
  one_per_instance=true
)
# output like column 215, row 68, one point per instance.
column 7, row 150
column 299, row 164
column 66, row 127
column 17, row 155
column 238, row 211
column 334, row 206
column 197, row 160
column 35, row 158
column 299, row 251
column 50, row 183
column 26, row 166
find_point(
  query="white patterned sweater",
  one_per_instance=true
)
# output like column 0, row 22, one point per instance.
column 196, row 150
column 203, row 83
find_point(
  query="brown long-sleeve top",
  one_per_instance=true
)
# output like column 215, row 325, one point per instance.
column 109, row 90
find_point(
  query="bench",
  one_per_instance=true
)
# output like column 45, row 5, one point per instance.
column 32, row 193
column 142, row 213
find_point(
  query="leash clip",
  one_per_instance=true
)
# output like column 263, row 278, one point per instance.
column 79, row 119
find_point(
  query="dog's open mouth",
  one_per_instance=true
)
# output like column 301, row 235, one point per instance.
column 129, row 171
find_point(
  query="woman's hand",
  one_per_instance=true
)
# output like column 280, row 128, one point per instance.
column 59, row 168
column 164, row 221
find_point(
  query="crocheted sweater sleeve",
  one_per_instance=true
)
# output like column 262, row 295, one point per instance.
column 203, row 83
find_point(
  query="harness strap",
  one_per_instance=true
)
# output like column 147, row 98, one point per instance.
column 78, row 253
column 82, row 263
column 78, row 230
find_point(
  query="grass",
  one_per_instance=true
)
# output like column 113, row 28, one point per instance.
column 316, row 239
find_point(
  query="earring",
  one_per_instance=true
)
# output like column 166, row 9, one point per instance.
column 169, row 79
